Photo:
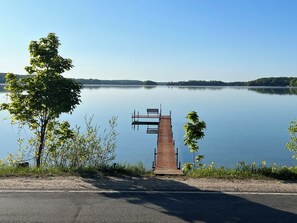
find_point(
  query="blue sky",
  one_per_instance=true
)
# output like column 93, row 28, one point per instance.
column 160, row 40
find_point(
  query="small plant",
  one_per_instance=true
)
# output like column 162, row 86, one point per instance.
column 187, row 167
column 193, row 132
column 244, row 170
column 292, row 144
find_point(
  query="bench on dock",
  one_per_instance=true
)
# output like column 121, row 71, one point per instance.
column 152, row 111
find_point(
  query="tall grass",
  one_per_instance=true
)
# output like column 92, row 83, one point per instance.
column 88, row 171
column 243, row 170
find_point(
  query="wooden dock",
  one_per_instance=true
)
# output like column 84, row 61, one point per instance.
column 166, row 159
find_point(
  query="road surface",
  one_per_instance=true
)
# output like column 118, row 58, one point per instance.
column 92, row 206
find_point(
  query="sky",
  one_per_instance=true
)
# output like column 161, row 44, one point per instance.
column 160, row 40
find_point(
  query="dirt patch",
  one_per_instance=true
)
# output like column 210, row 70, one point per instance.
column 146, row 183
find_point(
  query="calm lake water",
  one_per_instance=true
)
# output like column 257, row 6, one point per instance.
column 243, row 124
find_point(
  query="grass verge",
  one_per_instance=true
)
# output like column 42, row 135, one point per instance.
column 243, row 171
column 91, row 171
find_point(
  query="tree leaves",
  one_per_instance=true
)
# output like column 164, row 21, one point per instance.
column 292, row 144
column 193, row 131
column 38, row 100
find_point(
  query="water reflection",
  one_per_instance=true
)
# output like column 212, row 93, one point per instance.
column 113, row 86
column 260, row 90
column 276, row 91
column 200, row 88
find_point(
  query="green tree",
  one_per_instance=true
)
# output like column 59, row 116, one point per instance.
column 292, row 144
column 193, row 132
column 39, row 99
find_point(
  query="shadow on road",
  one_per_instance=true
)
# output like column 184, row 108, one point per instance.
column 193, row 205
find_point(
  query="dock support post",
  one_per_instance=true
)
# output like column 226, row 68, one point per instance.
column 155, row 158
column 176, row 158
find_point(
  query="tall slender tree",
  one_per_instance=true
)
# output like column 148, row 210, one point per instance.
column 38, row 100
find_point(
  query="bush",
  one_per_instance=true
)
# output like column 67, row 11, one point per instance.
column 243, row 170
column 74, row 149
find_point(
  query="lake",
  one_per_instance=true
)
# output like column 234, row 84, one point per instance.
column 243, row 124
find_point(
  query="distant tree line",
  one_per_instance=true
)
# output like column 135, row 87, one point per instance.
column 269, row 82
column 293, row 82
column 205, row 83
column 108, row 82
column 115, row 82
column 274, row 81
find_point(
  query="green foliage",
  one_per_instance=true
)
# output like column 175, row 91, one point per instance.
column 187, row 167
column 193, row 132
column 7, row 171
column 292, row 144
column 90, row 171
column 137, row 169
column 38, row 100
column 109, row 82
column 243, row 170
column 148, row 82
column 271, row 81
column 68, row 148
column 205, row 83
column 293, row 82
column 74, row 149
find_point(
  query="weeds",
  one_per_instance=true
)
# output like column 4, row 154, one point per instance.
column 243, row 170
column 89, row 171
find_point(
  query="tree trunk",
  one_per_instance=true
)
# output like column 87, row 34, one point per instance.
column 41, row 143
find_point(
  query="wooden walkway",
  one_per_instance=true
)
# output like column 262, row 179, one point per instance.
column 166, row 162
column 165, row 158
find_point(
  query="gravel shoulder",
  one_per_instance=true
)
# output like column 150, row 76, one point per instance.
column 146, row 184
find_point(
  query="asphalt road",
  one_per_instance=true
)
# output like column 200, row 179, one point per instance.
column 162, row 207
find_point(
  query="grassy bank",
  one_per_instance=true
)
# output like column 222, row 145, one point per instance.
column 110, row 170
column 241, row 171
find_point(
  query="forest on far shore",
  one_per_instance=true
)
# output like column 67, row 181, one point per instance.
column 268, row 81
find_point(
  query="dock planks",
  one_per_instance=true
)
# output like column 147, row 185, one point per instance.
column 165, row 162
column 166, row 158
